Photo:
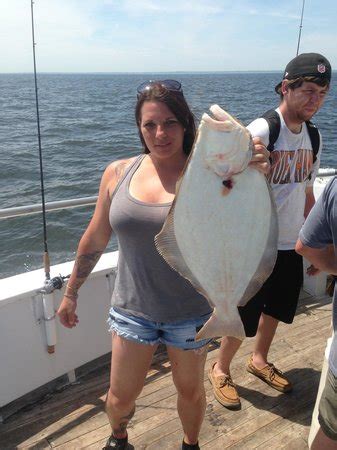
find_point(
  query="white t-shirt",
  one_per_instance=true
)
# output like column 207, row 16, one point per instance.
column 292, row 163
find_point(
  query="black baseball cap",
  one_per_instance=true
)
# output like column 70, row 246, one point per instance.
column 307, row 65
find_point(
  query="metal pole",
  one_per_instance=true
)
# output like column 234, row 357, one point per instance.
column 300, row 30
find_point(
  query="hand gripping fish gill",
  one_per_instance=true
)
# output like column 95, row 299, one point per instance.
column 221, row 232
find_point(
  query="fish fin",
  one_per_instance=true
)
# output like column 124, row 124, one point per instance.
column 215, row 327
column 167, row 246
column 268, row 258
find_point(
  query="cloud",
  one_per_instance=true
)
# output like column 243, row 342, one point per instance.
column 175, row 7
column 153, row 35
column 276, row 14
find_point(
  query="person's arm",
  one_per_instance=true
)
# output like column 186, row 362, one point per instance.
column 260, row 157
column 323, row 259
column 315, row 240
column 309, row 200
column 92, row 243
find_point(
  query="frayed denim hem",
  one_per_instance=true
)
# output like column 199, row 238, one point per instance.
column 115, row 331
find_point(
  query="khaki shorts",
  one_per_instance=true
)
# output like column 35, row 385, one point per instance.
column 327, row 416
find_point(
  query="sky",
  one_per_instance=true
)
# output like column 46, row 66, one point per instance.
column 163, row 35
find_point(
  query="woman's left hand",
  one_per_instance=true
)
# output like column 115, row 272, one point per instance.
column 260, row 158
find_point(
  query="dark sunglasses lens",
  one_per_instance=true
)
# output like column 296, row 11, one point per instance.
column 144, row 86
column 171, row 85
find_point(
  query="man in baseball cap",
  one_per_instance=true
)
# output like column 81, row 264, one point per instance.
column 307, row 65
column 295, row 146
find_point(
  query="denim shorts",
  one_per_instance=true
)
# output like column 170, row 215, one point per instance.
column 180, row 334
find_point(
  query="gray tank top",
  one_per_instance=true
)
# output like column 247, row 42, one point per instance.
column 146, row 285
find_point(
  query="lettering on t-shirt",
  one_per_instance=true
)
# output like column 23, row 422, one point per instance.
column 290, row 166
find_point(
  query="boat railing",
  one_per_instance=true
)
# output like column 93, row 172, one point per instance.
column 327, row 172
column 7, row 213
column 50, row 206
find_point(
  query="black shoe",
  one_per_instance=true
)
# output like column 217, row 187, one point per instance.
column 185, row 446
column 116, row 444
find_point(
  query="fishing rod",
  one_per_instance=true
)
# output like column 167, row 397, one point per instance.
column 57, row 282
column 46, row 260
column 300, row 28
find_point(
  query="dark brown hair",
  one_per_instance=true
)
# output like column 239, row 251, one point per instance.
column 177, row 104
column 297, row 82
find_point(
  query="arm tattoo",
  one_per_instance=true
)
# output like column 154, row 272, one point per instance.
column 84, row 265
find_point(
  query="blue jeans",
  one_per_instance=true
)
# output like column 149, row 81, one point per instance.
column 180, row 334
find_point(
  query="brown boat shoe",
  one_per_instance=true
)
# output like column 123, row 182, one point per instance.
column 270, row 375
column 224, row 390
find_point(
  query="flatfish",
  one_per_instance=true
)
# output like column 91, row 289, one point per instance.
column 221, row 231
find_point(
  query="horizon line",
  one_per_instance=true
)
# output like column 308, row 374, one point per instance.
column 141, row 72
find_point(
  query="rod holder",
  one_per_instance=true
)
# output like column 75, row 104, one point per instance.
column 49, row 321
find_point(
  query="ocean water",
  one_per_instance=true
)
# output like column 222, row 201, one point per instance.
column 87, row 120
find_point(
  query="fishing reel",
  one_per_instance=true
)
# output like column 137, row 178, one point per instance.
column 53, row 284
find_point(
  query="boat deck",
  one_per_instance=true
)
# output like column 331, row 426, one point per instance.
column 74, row 417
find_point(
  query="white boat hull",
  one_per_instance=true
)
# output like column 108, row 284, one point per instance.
column 25, row 361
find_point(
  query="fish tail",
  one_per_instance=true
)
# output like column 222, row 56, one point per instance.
column 216, row 327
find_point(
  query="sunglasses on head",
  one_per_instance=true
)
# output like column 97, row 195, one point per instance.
column 170, row 85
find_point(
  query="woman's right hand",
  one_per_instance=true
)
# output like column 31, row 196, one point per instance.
column 66, row 312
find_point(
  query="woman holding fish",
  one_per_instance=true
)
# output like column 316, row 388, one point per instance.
column 151, row 302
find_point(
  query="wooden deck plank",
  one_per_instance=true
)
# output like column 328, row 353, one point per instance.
column 178, row 425
column 293, row 436
column 74, row 417
column 151, row 413
column 248, row 424
column 41, row 445
column 87, row 424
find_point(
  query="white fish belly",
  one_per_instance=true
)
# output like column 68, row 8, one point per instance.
column 222, row 237
column 225, row 239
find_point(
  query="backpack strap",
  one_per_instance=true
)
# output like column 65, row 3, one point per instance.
column 314, row 138
column 274, row 124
